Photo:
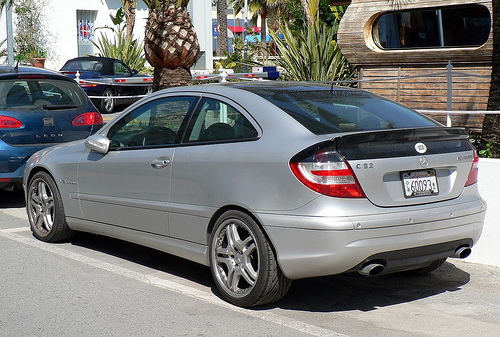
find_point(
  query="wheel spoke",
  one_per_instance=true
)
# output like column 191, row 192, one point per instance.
column 233, row 238
column 249, row 272
column 42, row 206
column 236, row 257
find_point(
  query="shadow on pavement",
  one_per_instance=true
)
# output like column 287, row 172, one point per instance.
column 322, row 294
column 11, row 199
column 145, row 256
column 348, row 292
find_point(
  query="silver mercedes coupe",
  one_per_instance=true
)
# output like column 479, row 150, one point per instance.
column 265, row 183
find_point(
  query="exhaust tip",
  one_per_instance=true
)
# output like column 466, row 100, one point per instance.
column 462, row 252
column 372, row 269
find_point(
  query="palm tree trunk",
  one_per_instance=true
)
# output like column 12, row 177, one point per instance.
column 263, row 25
column 222, row 44
column 170, row 43
column 491, row 123
column 129, row 7
column 168, row 78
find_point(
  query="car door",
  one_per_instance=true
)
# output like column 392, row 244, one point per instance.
column 215, row 149
column 128, row 87
column 129, row 186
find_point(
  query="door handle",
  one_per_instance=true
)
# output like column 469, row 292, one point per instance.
column 159, row 163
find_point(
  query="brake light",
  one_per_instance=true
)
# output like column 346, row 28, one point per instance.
column 474, row 170
column 326, row 172
column 88, row 118
column 7, row 122
column 31, row 77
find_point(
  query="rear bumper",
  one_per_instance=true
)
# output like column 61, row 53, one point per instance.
column 303, row 251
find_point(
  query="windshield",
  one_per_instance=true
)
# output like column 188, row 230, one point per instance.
column 40, row 93
column 334, row 111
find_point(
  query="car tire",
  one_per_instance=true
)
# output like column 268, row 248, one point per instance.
column 45, row 209
column 107, row 104
column 243, row 263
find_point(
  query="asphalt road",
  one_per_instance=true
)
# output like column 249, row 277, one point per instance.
column 96, row 286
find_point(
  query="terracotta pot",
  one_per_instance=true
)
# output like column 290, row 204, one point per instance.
column 39, row 62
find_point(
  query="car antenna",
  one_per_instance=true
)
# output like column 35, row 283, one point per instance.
column 16, row 68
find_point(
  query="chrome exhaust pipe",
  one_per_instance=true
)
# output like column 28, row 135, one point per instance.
column 462, row 252
column 372, row 269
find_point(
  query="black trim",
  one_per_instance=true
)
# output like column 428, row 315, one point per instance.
column 412, row 258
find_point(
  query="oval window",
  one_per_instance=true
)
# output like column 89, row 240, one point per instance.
column 438, row 27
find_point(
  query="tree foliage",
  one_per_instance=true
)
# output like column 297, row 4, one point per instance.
column 121, row 46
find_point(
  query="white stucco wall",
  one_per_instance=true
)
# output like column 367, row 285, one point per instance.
column 487, row 251
column 62, row 29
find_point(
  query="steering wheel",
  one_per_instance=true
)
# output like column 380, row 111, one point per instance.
column 159, row 135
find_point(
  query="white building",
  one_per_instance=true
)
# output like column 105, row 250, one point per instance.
column 71, row 23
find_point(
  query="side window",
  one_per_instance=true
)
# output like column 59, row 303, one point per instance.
column 215, row 120
column 154, row 123
column 120, row 69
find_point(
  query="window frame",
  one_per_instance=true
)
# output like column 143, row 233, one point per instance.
column 441, row 31
column 238, row 108
column 129, row 117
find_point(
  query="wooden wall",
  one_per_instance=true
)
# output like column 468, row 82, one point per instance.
column 428, row 93
column 426, row 88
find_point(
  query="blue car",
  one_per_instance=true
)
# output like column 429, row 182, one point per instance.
column 104, row 79
column 39, row 108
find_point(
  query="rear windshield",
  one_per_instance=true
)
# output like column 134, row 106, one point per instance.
column 334, row 111
column 86, row 65
column 33, row 93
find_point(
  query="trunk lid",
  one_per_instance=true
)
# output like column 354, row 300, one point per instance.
column 409, row 166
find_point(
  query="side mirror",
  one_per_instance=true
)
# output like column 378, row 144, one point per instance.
column 134, row 72
column 98, row 143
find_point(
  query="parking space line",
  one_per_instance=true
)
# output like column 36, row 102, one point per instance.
column 205, row 296
column 16, row 230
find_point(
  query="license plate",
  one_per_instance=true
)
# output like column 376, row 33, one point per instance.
column 419, row 183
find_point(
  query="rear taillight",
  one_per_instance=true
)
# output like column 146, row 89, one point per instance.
column 474, row 170
column 84, row 84
column 88, row 118
column 325, row 171
column 7, row 122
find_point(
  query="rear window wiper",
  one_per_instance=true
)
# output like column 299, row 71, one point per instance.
column 59, row 107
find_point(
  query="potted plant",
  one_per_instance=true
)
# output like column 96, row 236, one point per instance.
column 30, row 42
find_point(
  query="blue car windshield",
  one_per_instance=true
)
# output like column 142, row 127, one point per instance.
column 334, row 111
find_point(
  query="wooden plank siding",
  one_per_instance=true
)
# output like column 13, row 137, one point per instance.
column 429, row 92
column 378, row 69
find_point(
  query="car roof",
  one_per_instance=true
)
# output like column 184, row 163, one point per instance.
column 265, row 88
column 94, row 58
column 9, row 71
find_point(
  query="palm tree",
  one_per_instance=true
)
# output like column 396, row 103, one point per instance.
column 222, row 43
column 170, row 43
column 491, row 123
column 129, row 7
column 260, row 8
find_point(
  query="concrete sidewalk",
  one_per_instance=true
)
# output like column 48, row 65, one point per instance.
column 487, row 250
